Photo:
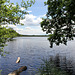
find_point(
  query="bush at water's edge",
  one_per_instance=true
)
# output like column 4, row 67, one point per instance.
column 53, row 67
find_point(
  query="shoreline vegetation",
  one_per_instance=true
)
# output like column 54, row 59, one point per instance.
column 32, row 35
column 20, row 35
column 54, row 66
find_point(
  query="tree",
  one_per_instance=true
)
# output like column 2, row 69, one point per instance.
column 60, row 21
column 11, row 14
column 6, row 34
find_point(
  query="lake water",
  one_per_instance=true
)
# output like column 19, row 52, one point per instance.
column 31, row 50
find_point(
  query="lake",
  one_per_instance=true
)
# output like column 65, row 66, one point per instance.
column 32, row 50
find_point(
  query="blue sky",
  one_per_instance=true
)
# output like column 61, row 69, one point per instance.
column 31, row 21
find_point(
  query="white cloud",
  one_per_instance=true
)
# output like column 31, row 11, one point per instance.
column 22, row 8
column 9, row 25
column 31, row 26
column 31, row 20
column 29, row 11
column 27, row 30
column 31, row 31
column 14, row 5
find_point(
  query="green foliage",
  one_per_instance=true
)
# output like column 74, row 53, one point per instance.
column 11, row 13
column 0, row 72
column 6, row 34
column 49, row 68
column 61, row 25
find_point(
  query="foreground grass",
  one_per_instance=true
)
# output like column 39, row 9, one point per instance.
column 52, row 67
column 0, row 72
column 49, row 68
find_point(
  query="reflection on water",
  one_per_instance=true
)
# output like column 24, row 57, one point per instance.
column 32, row 50
column 56, row 65
column 63, row 64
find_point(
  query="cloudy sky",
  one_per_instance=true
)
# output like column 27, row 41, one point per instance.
column 32, row 21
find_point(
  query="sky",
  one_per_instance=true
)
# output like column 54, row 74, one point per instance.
column 32, row 21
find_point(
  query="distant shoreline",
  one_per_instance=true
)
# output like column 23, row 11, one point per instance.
column 33, row 35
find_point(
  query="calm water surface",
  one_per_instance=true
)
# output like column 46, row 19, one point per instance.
column 32, row 50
